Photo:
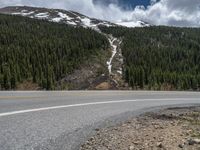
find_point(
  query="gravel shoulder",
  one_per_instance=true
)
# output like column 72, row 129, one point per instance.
column 168, row 129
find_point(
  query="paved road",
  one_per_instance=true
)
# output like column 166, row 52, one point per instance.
column 62, row 120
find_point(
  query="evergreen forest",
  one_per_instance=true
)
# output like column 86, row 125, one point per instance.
column 160, row 57
column 43, row 52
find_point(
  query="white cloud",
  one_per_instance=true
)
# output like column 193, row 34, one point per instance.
column 171, row 12
column 164, row 12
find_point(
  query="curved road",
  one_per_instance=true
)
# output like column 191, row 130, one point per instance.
column 62, row 120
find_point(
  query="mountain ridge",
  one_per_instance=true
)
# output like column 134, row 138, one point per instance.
column 65, row 16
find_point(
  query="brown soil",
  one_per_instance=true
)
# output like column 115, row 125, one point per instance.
column 103, row 86
column 88, row 75
column 169, row 129
column 28, row 85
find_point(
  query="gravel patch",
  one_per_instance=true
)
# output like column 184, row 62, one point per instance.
column 168, row 129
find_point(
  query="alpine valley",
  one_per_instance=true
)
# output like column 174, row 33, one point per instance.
column 53, row 49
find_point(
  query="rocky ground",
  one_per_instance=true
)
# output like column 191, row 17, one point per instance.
column 94, row 74
column 117, row 68
column 169, row 129
column 91, row 73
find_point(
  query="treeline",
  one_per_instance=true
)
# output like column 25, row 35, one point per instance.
column 160, row 58
column 41, row 51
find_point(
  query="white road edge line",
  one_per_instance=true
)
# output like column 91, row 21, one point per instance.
column 92, row 103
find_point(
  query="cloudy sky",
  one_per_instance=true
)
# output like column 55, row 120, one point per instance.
column 158, row 12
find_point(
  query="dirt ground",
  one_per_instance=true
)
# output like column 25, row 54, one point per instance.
column 169, row 129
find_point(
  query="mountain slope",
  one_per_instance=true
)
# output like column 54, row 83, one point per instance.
column 56, row 15
column 74, row 19
column 160, row 57
column 68, row 17
column 43, row 52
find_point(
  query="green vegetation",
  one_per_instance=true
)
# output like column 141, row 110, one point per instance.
column 160, row 58
column 41, row 51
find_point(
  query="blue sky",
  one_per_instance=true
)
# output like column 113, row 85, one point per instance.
column 125, row 4
column 133, row 3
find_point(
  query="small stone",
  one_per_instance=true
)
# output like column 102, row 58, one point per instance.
column 97, row 129
column 87, row 143
column 197, row 141
column 160, row 145
column 136, row 142
column 180, row 146
column 193, row 141
column 115, row 128
column 128, row 122
column 131, row 148
column 189, row 131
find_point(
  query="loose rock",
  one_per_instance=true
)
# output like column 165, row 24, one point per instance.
column 193, row 141
column 160, row 130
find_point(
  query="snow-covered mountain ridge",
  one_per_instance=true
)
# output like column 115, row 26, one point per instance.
column 63, row 16
column 55, row 15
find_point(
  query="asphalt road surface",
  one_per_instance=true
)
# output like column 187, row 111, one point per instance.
column 63, row 120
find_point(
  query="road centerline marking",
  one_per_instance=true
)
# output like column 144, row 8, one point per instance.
column 91, row 103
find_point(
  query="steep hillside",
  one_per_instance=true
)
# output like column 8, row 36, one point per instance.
column 92, row 74
column 43, row 52
column 160, row 58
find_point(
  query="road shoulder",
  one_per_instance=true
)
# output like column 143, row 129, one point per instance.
column 171, row 128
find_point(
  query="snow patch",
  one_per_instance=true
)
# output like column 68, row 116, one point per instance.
column 22, row 13
column 42, row 15
column 119, row 71
column 71, row 23
column 57, row 19
column 132, row 24
column 114, row 51
column 64, row 16
column 86, row 22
